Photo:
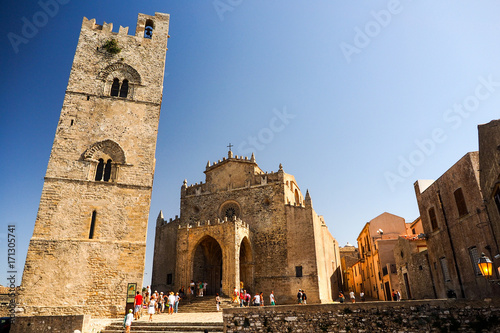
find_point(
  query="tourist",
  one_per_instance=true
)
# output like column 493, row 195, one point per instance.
column 242, row 298
column 299, row 296
column 341, row 297
column 171, row 303
column 176, row 304
column 256, row 299
column 127, row 321
column 148, row 289
column 137, row 305
column 162, row 302
column 247, row 299
column 362, row 296
column 151, row 308
column 304, row 297
column 205, row 284
column 217, row 302
column 200, row 288
column 191, row 287
column 261, row 298
column 271, row 298
column 394, row 295
column 398, row 295
column 235, row 295
column 352, row 296
column 181, row 292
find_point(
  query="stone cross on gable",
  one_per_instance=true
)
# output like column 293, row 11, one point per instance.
column 230, row 145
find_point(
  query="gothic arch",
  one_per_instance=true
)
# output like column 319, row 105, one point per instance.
column 108, row 147
column 246, row 264
column 207, row 264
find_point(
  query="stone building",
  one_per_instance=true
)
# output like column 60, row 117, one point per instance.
column 245, row 225
column 412, row 263
column 376, row 244
column 489, row 179
column 349, row 256
column 456, row 223
column 89, row 239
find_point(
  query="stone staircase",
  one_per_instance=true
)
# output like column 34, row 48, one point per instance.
column 204, row 304
column 147, row 327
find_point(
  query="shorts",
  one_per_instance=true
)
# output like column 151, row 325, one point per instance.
column 137, row 308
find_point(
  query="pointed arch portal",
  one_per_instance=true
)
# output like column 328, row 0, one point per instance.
column 246, row 265
column 207, row 265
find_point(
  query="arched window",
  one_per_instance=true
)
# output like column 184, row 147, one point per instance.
column 148, row 30
column 99, row 170
column 107, row 171
column 92, row 225
column 297, row 198
column 115, row 87
column 124, row 89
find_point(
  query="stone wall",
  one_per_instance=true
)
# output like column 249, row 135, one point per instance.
column 52, row 324
column 409, row 316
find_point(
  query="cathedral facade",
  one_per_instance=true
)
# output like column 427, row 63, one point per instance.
column 243, row 226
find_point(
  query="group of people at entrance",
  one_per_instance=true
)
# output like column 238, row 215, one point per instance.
column 155, row 303
column 245, row 299
column 199, row 289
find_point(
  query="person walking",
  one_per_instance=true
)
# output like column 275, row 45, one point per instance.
column 151, row 308
column 261, row 298
column 217, row 302
column 299, row 296
column 137, row 305
column 127, row 321
column 171, row 303
column 176, row 304
column 304, row 297
column 362, row 296
column 341, row 297
column 242, row 298
column 352, row 296
column 271, row 298
column 256, row 299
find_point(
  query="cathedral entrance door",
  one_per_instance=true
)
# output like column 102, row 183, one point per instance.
column 207, row 265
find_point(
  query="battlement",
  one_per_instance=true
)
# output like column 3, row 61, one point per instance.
column 148, row 27
column 219, row 221
column 231, row 157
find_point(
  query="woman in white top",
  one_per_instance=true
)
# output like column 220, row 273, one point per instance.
column 151, row 308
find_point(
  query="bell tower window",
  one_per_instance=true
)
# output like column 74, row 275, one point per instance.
column 148, row 30
column 99, row 170
column 124, row 89
column 115, row 87
column 107, row 171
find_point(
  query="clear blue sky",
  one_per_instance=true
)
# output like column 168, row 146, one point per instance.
column 365, row 92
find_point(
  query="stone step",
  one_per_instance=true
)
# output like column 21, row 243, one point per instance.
column 143, row 327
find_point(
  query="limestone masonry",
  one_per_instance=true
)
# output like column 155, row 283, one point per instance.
column 89, row 239
column 244, row 225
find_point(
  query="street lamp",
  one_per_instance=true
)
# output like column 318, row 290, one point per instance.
column 485, row 266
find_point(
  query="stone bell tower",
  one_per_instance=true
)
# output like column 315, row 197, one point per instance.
column 89, row 239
